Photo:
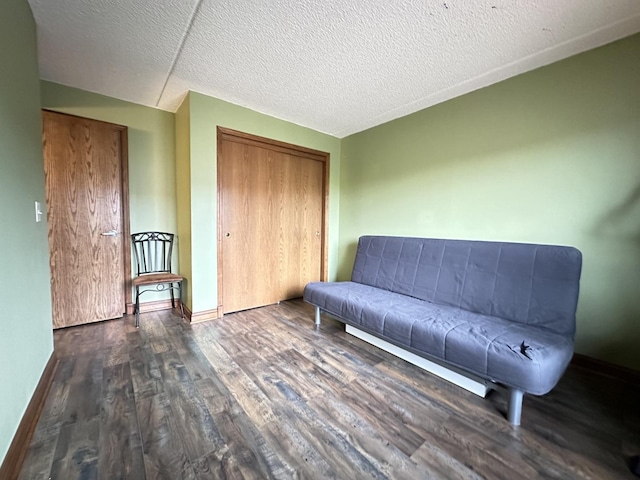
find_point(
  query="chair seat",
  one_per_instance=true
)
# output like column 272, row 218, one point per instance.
column 152, row 278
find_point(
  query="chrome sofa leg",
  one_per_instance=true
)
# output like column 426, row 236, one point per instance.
column 515, row 406
column 317, row 316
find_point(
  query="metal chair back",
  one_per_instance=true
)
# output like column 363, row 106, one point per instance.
column 152, row 252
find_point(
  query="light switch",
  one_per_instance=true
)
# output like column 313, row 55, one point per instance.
column 39, row 213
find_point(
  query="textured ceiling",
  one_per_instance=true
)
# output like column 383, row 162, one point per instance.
column 336, row 66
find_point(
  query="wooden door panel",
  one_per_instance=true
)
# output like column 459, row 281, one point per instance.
column 300, row 225
column 248, row 214
column 272, row 224
column 104, row 201
column 83, row 165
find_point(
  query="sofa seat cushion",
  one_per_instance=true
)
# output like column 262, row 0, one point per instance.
column 516, row 355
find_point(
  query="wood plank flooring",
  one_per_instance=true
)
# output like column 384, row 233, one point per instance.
column 263, row 394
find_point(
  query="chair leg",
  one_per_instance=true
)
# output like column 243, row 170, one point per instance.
column 180, row 293
column 137, row 308
column 173, row 302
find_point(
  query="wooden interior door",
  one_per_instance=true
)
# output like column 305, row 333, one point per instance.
column 84, row 162
column 271, row 220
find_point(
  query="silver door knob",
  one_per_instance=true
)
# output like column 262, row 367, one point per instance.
column 110, row 233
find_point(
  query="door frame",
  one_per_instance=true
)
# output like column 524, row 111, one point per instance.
column 228, row 134
column 127, row 308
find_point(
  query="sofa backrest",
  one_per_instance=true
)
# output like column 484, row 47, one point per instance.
column 530, row 284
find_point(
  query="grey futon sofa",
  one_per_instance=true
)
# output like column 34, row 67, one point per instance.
column 504, row 312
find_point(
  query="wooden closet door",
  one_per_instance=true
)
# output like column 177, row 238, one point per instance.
column 272, row 223
column 83, row 167
column 300, row 224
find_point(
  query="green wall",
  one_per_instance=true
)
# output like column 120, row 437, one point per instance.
column 551, row 156
column 183, row 196
column 205, row 115
column 26, row 340
column 152, row 172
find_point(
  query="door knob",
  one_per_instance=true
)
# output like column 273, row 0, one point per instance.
column 110, row 233
column 227, row 234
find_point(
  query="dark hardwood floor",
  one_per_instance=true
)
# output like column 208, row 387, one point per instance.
column 262, row 394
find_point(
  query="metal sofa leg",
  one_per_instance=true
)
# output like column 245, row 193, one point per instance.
column 317, row 316
column 515, row 406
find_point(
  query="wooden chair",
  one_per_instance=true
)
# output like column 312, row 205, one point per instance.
column 153, row 267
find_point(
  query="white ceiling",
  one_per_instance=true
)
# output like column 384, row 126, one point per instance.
column 336, row 66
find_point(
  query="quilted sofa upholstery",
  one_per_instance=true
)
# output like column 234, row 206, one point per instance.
column 502, row 311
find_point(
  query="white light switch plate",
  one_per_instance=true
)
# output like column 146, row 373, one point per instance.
column 39, row 213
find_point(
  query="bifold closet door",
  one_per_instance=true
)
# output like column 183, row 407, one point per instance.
column 271, row 223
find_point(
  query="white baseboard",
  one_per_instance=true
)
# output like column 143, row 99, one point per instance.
column 469, row 382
